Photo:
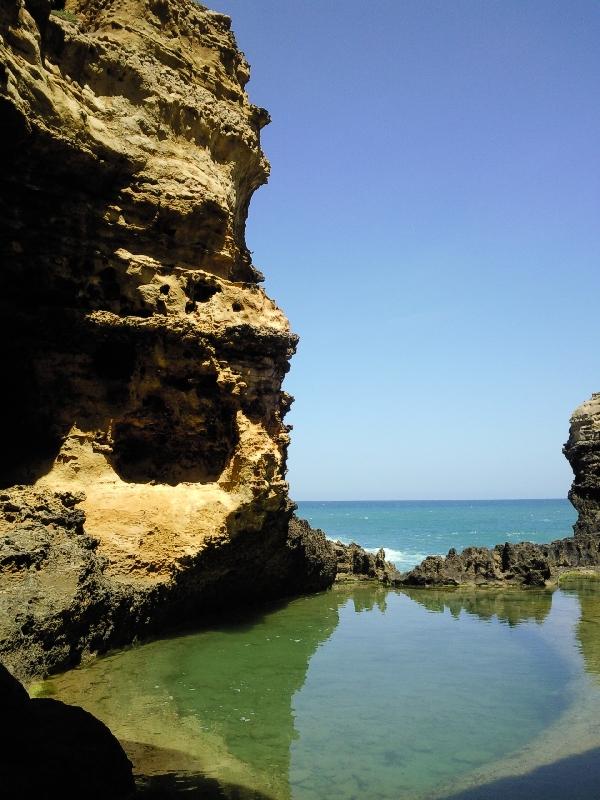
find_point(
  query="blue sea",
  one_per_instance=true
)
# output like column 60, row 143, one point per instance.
column 411, row 530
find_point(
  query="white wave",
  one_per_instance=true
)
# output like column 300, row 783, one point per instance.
column 402, row 559
column 395, row 555
column 399, row 556
column 411, row 560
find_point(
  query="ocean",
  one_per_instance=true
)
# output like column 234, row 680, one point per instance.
column 411, row 530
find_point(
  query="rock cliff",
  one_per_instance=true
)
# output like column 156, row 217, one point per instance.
column 583, row 452
column 142, row 476
column 144, row 453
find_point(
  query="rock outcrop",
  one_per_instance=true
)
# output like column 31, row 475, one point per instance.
column 144, row 405
column 354, row 563
column 527, row 564
column 51, row 749
column 60, row 602
column 522, row 564
column 583, row 452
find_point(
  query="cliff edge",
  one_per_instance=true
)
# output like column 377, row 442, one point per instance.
column 583, row 452
column 144, row 457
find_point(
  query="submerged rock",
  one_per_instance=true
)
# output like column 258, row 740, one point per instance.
column 49, row 749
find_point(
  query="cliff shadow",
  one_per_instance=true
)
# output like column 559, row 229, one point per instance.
column 52, row 203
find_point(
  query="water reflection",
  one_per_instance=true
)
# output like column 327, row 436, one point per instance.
column 587, row 592
column 509, row 606
column 364, row 598
column 357, row 692
column 211, row 710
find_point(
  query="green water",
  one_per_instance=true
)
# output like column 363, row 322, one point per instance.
column 360, row 693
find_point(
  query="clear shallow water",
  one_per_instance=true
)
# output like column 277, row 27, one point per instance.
column 409, row 531
column 363, row 693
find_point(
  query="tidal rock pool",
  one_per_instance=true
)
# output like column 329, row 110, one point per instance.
column 365, row 693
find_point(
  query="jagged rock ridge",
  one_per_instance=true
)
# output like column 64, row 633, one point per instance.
column 520, row 564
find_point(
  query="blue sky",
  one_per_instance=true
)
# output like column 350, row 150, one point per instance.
column 431, row 230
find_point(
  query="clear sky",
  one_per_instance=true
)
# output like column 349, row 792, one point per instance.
column 431, row 228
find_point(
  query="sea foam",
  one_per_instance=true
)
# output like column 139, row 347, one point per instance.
column 399, row 557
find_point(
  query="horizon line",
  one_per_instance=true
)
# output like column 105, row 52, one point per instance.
column 431, row 500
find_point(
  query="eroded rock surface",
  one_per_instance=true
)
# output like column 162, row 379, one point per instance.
column 583, row 452
column 522, row 564
column 354, row 563
column 60, row 601
column 145, row 360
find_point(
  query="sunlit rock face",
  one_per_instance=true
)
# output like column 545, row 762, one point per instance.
column 143, row 361
column 583, row 451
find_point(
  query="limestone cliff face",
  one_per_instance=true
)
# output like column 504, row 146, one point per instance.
column 583, row 452
column 144, row 360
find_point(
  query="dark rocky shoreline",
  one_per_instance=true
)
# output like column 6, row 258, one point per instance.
column 58, row 604
column 523, row 564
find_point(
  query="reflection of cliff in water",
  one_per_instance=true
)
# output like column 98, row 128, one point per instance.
column 364, row 597
column 247, row 678
column 587, row 592
column 509, row 606
column 523, row 605
column 184, row 707
column 244, row 710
